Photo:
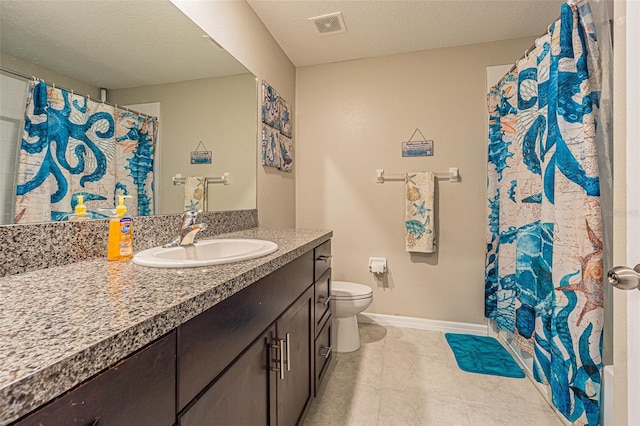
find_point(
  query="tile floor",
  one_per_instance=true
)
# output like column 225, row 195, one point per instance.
column 403, row 376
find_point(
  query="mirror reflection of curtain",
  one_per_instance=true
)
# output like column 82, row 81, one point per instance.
column 72, row 146
column 544, row 260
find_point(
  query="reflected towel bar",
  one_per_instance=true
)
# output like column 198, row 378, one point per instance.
column 453, row 175
column 225, row 179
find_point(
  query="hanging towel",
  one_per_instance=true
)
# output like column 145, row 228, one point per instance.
column 419, row 229
column 195, row 193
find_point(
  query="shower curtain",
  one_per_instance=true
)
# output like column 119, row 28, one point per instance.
column 544, row 258
column 74, row 146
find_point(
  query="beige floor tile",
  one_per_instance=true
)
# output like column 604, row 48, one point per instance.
column 362, row 366
column 372, row 335
column 486, row 415
column 410, row 377
column 342, row 405
column 421, row 342
column 400, row 408
column 419, row 373
column 499, row 391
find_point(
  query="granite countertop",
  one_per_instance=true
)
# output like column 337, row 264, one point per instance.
column 62, row 325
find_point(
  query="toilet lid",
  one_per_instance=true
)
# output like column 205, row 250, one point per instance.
column 349, row 290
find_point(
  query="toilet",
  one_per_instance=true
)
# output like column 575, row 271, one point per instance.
column 348, row 300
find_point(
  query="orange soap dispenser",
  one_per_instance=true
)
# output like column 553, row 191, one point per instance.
column 120, row 244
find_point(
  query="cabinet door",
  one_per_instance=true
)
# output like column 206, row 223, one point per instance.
column 139, row 390
column 243, row 395
column 295, row 327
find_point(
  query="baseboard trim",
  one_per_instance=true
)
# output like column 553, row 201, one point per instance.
column 424, row 324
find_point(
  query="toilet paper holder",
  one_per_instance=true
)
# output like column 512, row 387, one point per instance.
column 377, row 265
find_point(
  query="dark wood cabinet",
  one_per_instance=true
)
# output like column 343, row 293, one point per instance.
column 244, row 394
column 251, row 359
column 210, row 342
column 323, row 322
column 295, row 386
column 140, row 390
column 323, row 353
column 271, row 382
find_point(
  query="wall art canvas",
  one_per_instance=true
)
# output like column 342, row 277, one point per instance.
column 271, row 147
column 286, row 154
column 270, row 106
column 285, row 118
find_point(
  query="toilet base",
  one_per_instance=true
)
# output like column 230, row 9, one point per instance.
column 347, row 334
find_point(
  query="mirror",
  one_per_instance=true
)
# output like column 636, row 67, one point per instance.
column 151, row 58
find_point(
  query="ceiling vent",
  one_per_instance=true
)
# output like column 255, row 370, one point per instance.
column 328, row 24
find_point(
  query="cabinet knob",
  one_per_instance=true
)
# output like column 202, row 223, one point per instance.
column 325, row 351
column 324, row 257
column 324, row 300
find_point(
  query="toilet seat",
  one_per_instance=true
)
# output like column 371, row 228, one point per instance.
column 344, row 290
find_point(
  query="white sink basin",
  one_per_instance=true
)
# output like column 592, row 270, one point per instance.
column 205, row 253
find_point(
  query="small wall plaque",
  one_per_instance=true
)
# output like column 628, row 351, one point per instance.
column 417, row 148
column 201, row 157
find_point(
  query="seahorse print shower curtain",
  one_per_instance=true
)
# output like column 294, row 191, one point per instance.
column 543, row 279
column 74, row 146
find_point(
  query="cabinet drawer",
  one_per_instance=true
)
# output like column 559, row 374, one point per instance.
column 322, row 298
column 323, row 353
column 140, row 390
column 208, row 343
column 322, row 259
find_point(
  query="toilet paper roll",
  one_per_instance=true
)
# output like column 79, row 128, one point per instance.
column 377, row 267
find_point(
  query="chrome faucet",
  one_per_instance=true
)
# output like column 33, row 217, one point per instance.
column 188, row 229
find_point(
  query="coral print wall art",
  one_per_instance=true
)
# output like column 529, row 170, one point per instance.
column 277, row 146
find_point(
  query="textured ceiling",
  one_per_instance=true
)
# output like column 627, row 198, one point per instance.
column 377, row 27
column 112, row 44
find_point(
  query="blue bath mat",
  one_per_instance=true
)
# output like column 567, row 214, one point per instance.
column 483, row 355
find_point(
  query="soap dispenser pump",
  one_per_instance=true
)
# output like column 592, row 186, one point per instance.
column 80, row 210
column 120, row 245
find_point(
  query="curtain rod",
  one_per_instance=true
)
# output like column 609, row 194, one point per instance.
column 30, row 77
column 531, row 48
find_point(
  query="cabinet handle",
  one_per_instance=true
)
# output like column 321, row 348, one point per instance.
column 288, row 352
column 280, row 346
column 327, row 350
column 324, row 300
column 324, row 257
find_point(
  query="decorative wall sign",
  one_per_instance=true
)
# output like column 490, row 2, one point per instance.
column 417, row 148
column 201, row 157
column 277, row 146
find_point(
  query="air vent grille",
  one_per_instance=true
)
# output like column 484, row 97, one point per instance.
column 328, row 24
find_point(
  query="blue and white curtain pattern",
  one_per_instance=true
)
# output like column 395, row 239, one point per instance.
column 544, row 268
column 74, row 146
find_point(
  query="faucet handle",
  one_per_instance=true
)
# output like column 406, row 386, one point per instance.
column 189, row 217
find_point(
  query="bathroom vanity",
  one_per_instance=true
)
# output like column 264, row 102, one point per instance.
column 242, row 343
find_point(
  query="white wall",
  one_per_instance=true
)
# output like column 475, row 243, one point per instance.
column 351, row 119
column 235, row 26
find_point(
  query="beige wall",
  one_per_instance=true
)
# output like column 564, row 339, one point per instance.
column 220, row 112
column 49, row 76
column 351, row 119
column 235, row 26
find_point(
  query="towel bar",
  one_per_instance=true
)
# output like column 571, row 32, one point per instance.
column 178, row 179
column 453, row 175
